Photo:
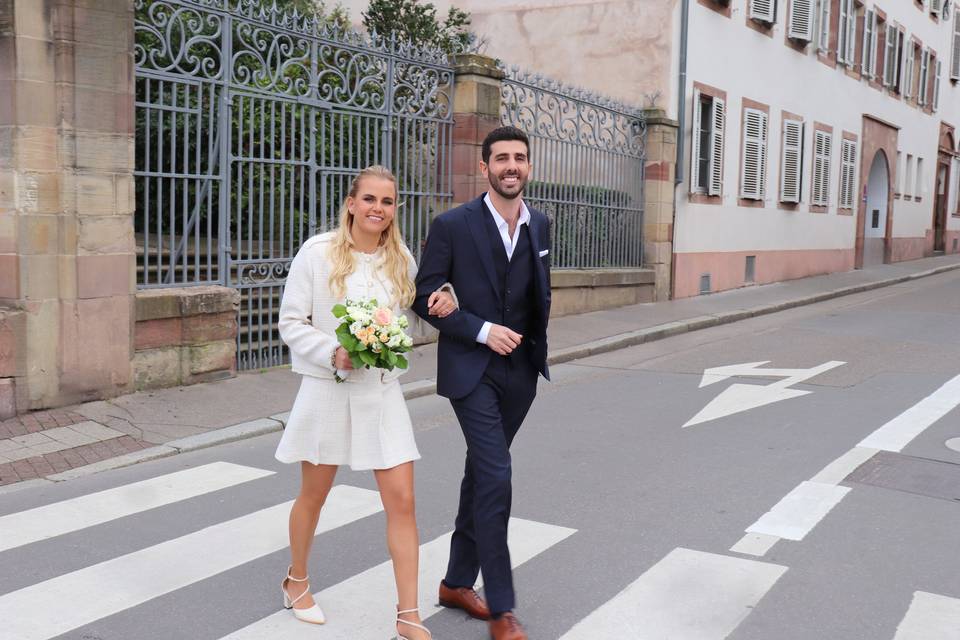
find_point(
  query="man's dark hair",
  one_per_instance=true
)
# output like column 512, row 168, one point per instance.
column 501, row 134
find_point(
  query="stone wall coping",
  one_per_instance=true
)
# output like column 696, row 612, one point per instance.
column 659, row 117
column 178, row 302
column 477, row 65
column 567, row 278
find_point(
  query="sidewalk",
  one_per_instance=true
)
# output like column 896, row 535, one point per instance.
column 60, row 444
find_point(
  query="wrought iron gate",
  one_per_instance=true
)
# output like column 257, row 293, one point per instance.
column 251, row 123
column 588, row 166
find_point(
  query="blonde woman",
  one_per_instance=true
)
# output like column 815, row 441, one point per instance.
column 363, row 422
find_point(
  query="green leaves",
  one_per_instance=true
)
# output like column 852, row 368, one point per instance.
column 339, row 311
column 417, row 22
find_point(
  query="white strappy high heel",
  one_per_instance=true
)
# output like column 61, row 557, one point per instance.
column 314, row 614
column 400, row 620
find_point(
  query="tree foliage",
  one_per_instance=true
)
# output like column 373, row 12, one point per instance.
column 417, row 22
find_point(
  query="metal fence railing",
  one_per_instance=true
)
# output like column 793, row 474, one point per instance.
column 588, row 166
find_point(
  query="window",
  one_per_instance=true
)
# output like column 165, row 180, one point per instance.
column 822, row 146
column 898, row 178
column 848, row 175
column 869, row 62
column 955, row 58
column 754, row 170
column 920, row 189
column 936, row 6
column 823, row 25
column 848, row 30
column 936, row 87
column 764, row 10
column 893, row 58
column 706, row 159
column 922, row 92
column 791, row 162
column 908, row 177
column 907, row 81
column 801, row 19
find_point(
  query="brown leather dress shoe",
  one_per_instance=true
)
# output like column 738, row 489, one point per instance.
column 466, row 599
column 507, row 627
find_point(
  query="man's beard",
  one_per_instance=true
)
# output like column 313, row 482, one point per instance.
column 495, row 185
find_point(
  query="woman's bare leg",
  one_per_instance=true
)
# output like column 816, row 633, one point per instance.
column 317, row 479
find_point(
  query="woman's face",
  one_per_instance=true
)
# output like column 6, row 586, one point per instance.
column 374, row 207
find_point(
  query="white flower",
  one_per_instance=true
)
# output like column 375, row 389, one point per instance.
column 402, row 322
column 407, row 341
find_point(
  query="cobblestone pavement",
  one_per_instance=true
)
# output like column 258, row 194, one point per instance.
column 37, row 444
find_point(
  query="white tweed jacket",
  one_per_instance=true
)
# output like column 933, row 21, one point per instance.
column 307, row 324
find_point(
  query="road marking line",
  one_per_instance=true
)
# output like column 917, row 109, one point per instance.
column 688, row 594
column 41, row 523
column 930, row 617
column 126, row 581
column 799, row 511
column 836, row 471
column 898, row 433
column 755, row 544
column 360, row 608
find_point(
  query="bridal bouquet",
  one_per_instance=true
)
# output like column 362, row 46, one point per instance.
column 372, row 335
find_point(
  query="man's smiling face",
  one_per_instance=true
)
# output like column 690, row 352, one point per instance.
column 508, row 168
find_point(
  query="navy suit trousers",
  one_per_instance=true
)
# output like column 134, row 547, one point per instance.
column 490, row 417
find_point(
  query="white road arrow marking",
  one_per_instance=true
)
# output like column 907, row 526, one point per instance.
column 742, row 397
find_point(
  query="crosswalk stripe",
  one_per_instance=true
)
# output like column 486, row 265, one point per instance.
column 126, row 581
column 361, row 607
column 930, row 617
column 896, row 434
column 689, row 594
column 41, row 523
column 799, row 511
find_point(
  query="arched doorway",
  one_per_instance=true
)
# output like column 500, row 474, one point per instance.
column 875, row 220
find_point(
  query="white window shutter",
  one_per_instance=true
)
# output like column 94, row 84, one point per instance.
column 823, row 26
column 908, row 71
column 889, row 53
column 868, row 26
column 800, row 20
column 763, row 10
column 821, row 168
column 936, row 87
column 753, row 171
column 791, row 161
column 936, row 6
column 715, row 185
column 842, row 33
column 695, row 144
column 848, row 176
column 924, row 77
column 851, row 32
column 955, row 57
column 874, row 44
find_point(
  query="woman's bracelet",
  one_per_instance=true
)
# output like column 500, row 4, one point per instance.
column 333, row 359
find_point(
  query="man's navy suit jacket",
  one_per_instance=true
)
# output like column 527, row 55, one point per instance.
column 458, row 251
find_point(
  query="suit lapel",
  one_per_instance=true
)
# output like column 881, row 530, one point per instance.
column 540, row 273
column 475, row 223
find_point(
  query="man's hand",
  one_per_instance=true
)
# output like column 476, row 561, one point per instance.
column 502, row 340
column 440, row 303
column 341, row 360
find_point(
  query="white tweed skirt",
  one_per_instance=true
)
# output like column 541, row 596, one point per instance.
column 363, row 423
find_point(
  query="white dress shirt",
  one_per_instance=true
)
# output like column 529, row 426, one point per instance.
column 509, row 243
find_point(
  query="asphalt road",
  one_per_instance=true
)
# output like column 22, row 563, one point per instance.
column 630, row 524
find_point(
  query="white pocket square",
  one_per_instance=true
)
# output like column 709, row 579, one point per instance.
column 544, row 252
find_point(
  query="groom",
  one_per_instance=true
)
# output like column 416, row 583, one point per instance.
column 495, row 252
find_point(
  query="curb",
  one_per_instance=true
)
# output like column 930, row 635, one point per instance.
column 421, row 388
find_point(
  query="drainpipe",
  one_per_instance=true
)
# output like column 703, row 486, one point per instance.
column 682, row 99
column 681, row 125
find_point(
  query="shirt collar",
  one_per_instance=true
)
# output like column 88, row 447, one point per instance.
column 499, row 220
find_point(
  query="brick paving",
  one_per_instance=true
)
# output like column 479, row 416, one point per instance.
column 57, row 461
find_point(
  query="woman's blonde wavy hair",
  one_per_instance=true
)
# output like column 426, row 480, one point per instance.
column 396, row 257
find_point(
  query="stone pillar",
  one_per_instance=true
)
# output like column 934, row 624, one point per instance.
column 659, row 203
column 476, row 112
column 67, row 270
